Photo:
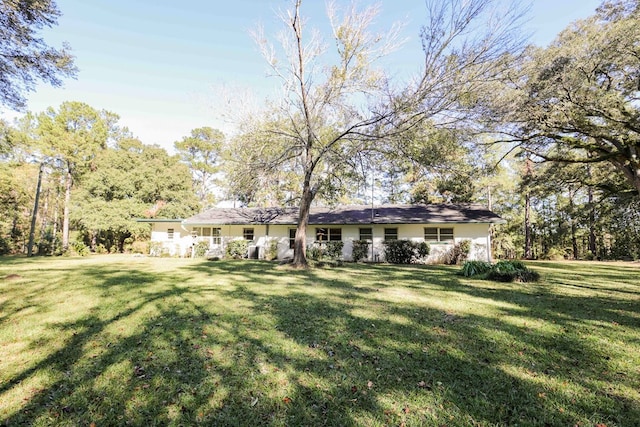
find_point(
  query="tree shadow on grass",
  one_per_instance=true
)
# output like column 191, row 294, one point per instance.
column 427, row 363
column 250, row 344
column 556, row 356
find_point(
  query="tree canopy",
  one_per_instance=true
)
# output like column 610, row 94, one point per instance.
column 576, row 101
column 201, row 151
column 331, row 112
column 25, row 58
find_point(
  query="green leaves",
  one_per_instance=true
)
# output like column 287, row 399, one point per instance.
column 202, row 152
column 576, row 100
column 24, row 56
column 73, row 134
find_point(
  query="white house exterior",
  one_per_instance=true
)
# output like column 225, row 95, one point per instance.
column 439, row 225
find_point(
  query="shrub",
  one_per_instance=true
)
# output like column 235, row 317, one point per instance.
column 138, row 247
column 79, row 248
column 155, row 249
column 475, row 268
column 405, row 251
column 200, row 249
column 100, row 249
column 509, row 265
column 360, row 250
column 127, row 245
column 502, row 271
column 272, row 250
column 314, row 251
column 458, row 253
column 237, row 249
column 48, row 243
column 510, row 271
column 555, row 254
column 6, row 246
column 423, row 250
column 333, row 250
column 329, row 251
column 398, row 251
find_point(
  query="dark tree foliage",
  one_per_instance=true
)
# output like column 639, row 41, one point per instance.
column 25, row 58
column 130, row 181
column 576, row 101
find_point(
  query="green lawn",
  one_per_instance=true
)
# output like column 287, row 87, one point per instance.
column 122, row 340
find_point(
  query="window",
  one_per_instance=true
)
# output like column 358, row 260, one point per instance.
column 170, row 233
column 431, row 234
column 197, row 231
column 247, row 233
column 332, row 234
column 446, row 234
column 216, row 235
column 436, row 234
column 390, row 234
column 206, row 232
column 366, row 234
column 292, row 237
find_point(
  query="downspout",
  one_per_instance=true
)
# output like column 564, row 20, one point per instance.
column 489, row 257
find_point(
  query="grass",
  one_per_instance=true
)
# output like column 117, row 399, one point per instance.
column 119, row 340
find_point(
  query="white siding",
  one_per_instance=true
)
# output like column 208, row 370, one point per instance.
column 263, row 235
column 175, row 246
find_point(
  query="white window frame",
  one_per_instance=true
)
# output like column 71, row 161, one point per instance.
column 249, row 231
column 440, row 237
column 331, row 234
column 369, row 233
column 292, row 238
column 216, row 235
column 388, row 234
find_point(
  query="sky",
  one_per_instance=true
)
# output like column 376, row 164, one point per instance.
column 165, row 67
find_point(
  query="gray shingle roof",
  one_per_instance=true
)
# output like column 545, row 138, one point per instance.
column 353, row 214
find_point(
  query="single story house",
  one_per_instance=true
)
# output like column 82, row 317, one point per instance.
column 439, row 225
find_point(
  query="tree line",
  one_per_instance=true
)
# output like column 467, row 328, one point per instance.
column 548, row 137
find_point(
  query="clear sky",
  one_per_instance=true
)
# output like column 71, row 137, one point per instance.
column 161, row 64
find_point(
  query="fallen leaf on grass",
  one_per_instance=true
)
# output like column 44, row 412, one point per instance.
column 369, row 384
column 286, row 399
column 425, row 385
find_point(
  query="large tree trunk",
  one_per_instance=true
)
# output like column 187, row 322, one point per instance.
column 592, row 224
column 44, row 216
column 572, row 222
column 300, row 243
column 34, row 215
column 65, row 220
column 528, row 172
column 55, row 223
column 527, row 226
column 631, row 170
column 574, row 240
